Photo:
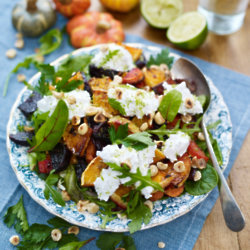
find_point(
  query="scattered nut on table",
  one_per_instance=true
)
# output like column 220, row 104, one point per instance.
column 73, row 230
column 14, row 240
column 161, row 244
column 11, row 53
column 19, row 44
column 21, row 77
column 56, row 234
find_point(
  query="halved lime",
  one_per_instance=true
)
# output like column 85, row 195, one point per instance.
column 160, row 13
column 188, row 31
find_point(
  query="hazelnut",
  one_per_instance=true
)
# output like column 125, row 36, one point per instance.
column 197, row 175
column 92, row 208
column 179, row 166
column 58, row 95
column 71, row 100
column 21, row 77
column 14, row 240
column 81, row 205
column 144, row 126
column 128, row 163
column 121, row 216
column 159, row 119
column 106, row 114
column 154, row 67
column 194, row 162
column 164, row 67
column 65, row 195
column 149, row 204
column 83, row 129
column 189, row 103
column 90, row 111
column 76, row 120
column 28, row 129
column 201, row 136
column 56, row 234
column 19, row 44
column 99, row 117
column 153, row 170
column 161, row 244
column 11, row 53
column 186, row 118
column 162, row 166
column 73, row 230
column 39, row 58
column 201, row 163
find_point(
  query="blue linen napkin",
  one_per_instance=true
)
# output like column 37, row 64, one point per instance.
column 181, row 233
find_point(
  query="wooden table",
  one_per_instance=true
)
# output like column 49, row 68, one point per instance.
column 232, row 51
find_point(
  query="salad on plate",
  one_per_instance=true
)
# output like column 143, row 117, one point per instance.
column 114, row 131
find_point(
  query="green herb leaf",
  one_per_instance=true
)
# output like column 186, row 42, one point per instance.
column 17, row 215
column 170, row 105
column 57, row 222
column 108, row 57
column 120, row 134
column 135, row 177
column 116, row 105
column 141, row 214
column 38, row 119
column 138, row 141
column 52, row 130
column 109, row 241
column 213, row 125
column 208, row 181
column 162, row 57
column 47, row 70
column 43, row 86
column 51, row 180
column 65, row 85
column 50, row 42
column 75, row 245
column 202, row 99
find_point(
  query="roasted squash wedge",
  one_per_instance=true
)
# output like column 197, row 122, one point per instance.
column 159, row 156
column 99, row 84
column 118, row 120
column 135, row 52
column 90, row 152
column 116, row 197
column 92, row 171
column 75, row 142
column 173, row 191
column 154, row 76
column 156, row 196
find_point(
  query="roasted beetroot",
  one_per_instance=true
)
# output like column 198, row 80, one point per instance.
column 141, row 62
column 21, row 138
column 29, row 106
column 60, row 157
column 158, row 89
column 79, row 168
column 100, row 72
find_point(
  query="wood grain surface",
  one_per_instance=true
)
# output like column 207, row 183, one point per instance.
column 231, row 51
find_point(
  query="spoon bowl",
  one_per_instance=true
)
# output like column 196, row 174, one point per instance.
column 186, row 70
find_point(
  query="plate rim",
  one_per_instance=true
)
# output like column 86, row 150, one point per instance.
column 50, row 210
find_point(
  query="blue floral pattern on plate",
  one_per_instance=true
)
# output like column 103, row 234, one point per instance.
column 163, row 212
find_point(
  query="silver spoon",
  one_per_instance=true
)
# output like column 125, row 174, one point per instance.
column 184, row 69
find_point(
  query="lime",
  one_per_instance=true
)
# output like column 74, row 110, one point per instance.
column 160, row 13
column 188, row 31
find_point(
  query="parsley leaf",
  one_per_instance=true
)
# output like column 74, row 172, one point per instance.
column 16, row 215
column 75, row 245
column 138, row 141
column 50, row 42
column 109, row 241
column 52, row 130
column 116, row 105
column 144, row 181
column 170, row 105
column 162, row 57
column 51, row 180
column 108, row 57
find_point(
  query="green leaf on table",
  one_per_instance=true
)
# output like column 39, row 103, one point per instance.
column 49, row 189
column 111, row 241
column 209, row 180
column 144, row 181
column 57, row 222
column 120, row 134
column 160, row 58
column 138, row 141
column 52, row 130
column 50, row 41
column 16, row 215
column 75, row 245
column 116, row 105
column 170, row 105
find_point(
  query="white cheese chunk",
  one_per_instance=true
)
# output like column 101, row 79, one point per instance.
column 120, row 61
column 82, row 102
column 176, row 145
column 134, row 101
column 186, row 94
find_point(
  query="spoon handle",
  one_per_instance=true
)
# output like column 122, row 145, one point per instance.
column 231, row 211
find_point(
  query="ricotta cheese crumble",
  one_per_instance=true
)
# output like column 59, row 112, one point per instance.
column 186, row 94
column 134, row 101
column 121, row 59
column 176, row 145
column 82, row 102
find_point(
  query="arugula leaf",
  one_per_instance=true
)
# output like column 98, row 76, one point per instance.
column 75, row 245
column 162, row 57
column 120, row 134
column 108, row 57
column 51, row 180
column 170, row 105
column 109, row 241
column 50, row 42
column 52, row 130
column 208, row 181
column 140, row 214
column 65, row 85
column 138, row 141
column 135, row 177
column 16, row 215
column 116, row 105
column 47, row 70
